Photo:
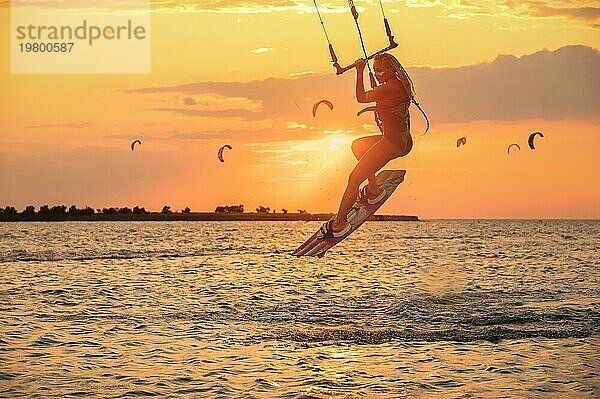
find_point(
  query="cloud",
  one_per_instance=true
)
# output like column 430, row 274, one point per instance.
column 191, row 6
column 272, row 99
column 227, row 6
column 225, row 113
column 560, row 84
column 80, row 125
column 97, row 5
column 261, row 50
column 209, row 135
column 583, row 10
column 171, row 136
column 579, row 10
column 171, row 6
column 128, row 137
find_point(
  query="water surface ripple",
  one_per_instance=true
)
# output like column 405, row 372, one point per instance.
column 442, row 309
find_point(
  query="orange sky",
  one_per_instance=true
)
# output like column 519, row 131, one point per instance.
column 247, row 74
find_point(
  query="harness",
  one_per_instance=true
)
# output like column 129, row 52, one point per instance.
column 378, row 120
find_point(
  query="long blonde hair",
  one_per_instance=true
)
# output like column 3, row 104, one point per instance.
column 400, row 72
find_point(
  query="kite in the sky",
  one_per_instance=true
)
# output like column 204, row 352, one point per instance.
column 513, row 145
column 316, row 105
column 220, row 154
column 532, row 138
column 133, row 144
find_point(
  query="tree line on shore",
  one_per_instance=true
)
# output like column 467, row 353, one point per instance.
column 73, row 210
column 62, row 210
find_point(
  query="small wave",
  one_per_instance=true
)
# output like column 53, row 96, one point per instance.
column 138, row 393
column 183, row 380
column 429, row 238
column 25, row 257
column 367, row 337
column 321, row 393
column 4, row 376
column 80, row 394
column 45, row 341
column 504, row 370
column 448, row 384
column 54, row 292
column 83, row 344
column 266, row 384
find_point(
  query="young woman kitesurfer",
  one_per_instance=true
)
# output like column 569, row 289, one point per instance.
column 392, row 98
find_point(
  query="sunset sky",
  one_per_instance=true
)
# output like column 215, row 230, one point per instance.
column 247, row 73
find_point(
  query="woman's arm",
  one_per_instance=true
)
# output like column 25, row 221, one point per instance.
column 370, row 96
column 360, row 82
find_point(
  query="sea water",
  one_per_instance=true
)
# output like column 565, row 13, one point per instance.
column 444, row 309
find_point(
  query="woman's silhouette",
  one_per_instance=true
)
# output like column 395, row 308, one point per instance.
column 393, row 98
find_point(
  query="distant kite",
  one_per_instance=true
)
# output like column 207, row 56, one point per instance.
column 316, row 105
column 220, row 154
column 532, row 137
column 510, row 146
column 462, row 140
column 367, row 109
column 133, row 144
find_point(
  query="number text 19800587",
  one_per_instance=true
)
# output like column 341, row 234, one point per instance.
column 46, row 47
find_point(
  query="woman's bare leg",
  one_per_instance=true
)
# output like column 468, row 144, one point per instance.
column 359, row 148
column 374, row 159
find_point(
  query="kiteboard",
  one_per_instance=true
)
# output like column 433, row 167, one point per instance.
column 318, row 246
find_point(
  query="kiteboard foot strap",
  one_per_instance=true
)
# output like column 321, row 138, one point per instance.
column 327, row 230
column 363, row 196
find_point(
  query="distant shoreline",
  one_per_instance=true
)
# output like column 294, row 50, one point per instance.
column 190, row 217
